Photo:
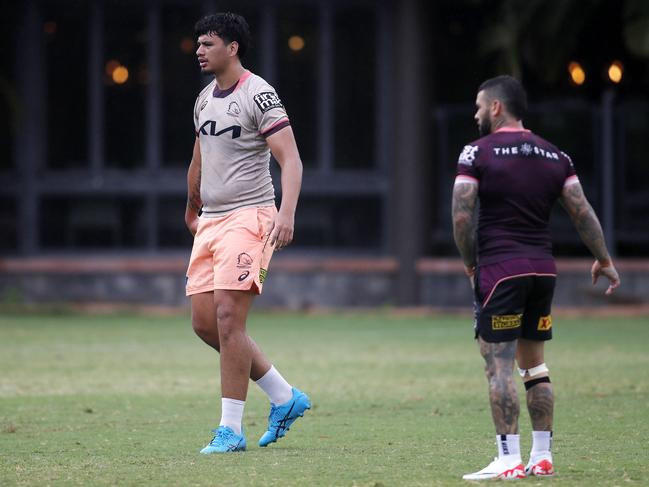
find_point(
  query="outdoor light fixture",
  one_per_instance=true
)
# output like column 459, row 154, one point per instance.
column 615, row 72
column 577, row 73
column 120, row 75
column 296, row 43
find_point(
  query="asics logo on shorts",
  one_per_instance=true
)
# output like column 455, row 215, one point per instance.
column 244, row 275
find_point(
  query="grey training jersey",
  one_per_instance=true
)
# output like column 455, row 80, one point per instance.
column 232, row 126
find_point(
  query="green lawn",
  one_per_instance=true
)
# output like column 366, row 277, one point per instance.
column 129, row 400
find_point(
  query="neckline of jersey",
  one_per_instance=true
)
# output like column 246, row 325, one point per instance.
column 511, row 129
column 219, row 93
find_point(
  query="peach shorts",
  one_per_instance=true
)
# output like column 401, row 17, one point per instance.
column 231, row 252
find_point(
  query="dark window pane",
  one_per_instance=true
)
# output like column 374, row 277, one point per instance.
column 181, row 82
column 297, row 74
column 8, row 95
column 126, row 77
column 354, row 74
column 65, row 28
column 632, row 175
column 104, row 222
column 8, row 225
column 171, row 223
column 339, row 222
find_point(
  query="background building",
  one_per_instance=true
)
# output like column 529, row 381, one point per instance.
column 96, row 135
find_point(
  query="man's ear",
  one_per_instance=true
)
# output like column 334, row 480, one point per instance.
column 496, row 108
column 233, row 48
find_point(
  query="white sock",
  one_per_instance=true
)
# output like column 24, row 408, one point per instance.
column 232, row 414
column 275, row 386
column 509, row 446
column 541, row 444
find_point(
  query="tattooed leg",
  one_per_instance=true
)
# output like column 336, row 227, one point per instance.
column 499, row 367
column 540, row 396
column 540, row 404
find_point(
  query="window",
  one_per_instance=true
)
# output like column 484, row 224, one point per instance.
column 126, row 76
column 172, row 232
column 297, row 83
column 339, row 222
column 181, row 82
column 92, row 222
column 8, row 96
column 354, row 94
column 65, row 32
column 8, row 224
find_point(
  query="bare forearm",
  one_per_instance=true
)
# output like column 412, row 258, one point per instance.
column 586, row 222
column 464, row 198
column 464, row 234
column 591, row 234
column 291, row 181
column 194, row 202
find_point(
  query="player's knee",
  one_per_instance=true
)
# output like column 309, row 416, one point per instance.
column 206, row 331
column 228, row 324
column 498, row 375
column 534, row 372
column 534, row 376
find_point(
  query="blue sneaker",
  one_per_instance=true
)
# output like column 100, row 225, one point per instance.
column 225, row 440
column 282, row 417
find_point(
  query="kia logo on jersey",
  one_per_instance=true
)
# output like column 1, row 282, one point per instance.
column 209, row 128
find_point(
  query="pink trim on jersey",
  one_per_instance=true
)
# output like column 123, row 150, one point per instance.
column 511, row 129
column 493, row 289
column 570, row 180
column 463, row 178
column 279, row 122
column 247, row 74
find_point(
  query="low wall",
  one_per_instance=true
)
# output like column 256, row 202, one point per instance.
column 293, row 282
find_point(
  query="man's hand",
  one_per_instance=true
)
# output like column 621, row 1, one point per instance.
column 609, row 272
column 282, row 230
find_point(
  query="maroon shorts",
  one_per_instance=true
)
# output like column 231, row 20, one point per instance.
column 513, row 299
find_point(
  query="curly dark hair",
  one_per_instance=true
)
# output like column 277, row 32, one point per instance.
column 228, row 26
column 509, row 91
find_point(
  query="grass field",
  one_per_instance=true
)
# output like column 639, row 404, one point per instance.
column 398, row 401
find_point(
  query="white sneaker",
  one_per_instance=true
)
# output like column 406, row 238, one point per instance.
column 500, row 468
column 540, row 467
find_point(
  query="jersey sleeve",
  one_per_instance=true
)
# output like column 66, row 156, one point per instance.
column 467, row 162
column 269, row 115
column 571, row 173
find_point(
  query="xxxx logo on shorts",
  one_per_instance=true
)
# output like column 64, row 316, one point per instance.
column 262, row 275
column 505, row 322
column 545, row 323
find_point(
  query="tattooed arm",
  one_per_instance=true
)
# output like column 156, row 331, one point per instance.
column 194, row 202
column 465, row 195
column 585, row 220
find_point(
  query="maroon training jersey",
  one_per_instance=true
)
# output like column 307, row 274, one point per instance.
column 520, row 177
